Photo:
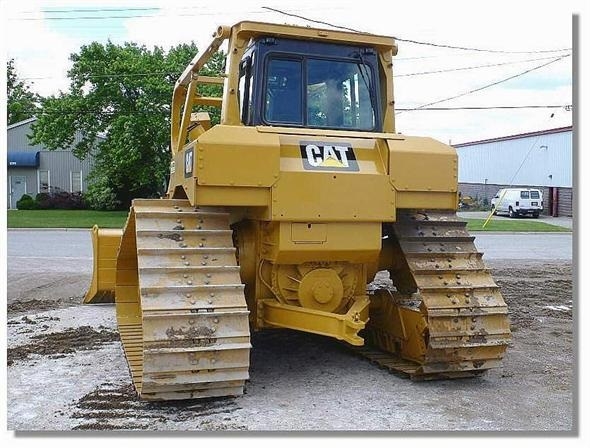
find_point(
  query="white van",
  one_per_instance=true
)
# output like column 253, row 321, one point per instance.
column 518, row 201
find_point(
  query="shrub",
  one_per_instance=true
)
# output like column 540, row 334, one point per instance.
column 101, row 196
column 64, row 200
column 26, row 202
column 60, row 199
column 42, row 200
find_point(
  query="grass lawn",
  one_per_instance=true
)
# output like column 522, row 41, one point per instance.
column 80, row 219
column 512, row 225
column 76, row 219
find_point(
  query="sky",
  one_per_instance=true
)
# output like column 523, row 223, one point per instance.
column 40, row 36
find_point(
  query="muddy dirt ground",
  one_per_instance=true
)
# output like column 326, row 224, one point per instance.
column 66, row 371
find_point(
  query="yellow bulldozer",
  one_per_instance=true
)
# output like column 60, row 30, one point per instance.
column 280, row 215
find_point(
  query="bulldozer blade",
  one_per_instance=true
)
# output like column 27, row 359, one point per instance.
column 105, row 245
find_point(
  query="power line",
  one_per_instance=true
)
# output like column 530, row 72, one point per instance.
column 131, row 75
column 165, row 106
column 414, row 41
column 473, row 67
column 127, row 16
column 554, row 106
column 130, row 16
column 67, row 11
column 480, row 49
column 122, row 9
column 399, row 110
column 255, row 12
column 112, row 75
column 488, row 85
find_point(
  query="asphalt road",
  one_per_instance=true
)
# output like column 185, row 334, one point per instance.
column 49, row 250
column 40, row 260
column 529, row 246
column 37, row 259
column 71, row 250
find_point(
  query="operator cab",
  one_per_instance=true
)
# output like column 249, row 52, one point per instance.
column 305, row 84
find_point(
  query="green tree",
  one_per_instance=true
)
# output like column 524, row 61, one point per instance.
column 119, row 104
column 21, row 102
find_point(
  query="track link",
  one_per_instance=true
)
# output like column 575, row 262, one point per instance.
column 467, row 329
column 181, row 310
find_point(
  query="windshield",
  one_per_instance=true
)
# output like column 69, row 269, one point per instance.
column 338, row 95
column 319, row 93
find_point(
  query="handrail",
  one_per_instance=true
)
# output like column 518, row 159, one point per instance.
column 185, row 87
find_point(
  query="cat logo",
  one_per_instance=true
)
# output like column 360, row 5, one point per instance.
column 188, row 163
column 328, row 157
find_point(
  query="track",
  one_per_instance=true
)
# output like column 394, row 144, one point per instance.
column 467, row 329
column 181, row 309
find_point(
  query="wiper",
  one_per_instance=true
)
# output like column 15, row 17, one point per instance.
column 360, row 66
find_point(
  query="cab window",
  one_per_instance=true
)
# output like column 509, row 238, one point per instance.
column 283, row 96
column 319, row 93
column 339, row 95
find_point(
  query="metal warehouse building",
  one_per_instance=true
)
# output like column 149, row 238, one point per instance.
column 34, row 169
column 541, row 159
